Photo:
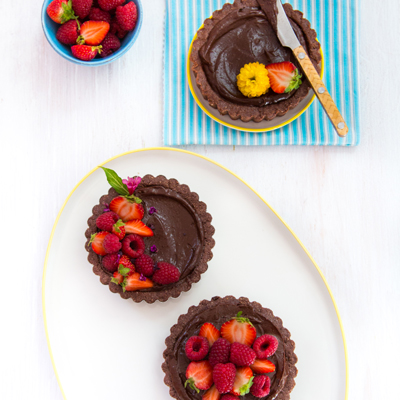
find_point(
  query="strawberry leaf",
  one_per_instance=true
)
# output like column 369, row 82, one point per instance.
column 115, row 280
column 116, row 182
column 191, row 383
column 245, row 389
column 134, row 198
column 122, row 270
column 92, row 238
column 241, row 319
column 117, row 225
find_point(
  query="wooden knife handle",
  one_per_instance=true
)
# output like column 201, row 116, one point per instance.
column 321, row 91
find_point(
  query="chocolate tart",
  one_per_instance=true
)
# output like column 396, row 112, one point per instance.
column 182, row 234
column 242, row 33
column 217, row 311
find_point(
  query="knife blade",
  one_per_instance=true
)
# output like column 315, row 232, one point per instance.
column 288, row 38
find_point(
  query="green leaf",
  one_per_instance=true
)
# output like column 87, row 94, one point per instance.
column 134, row 198
column 245, row 389
column 115, row 280
column 116, row 182
column 191, row 383
column 241, row 319
column 118, row 224
column 123, row 284
column 122, row 270
column 92, row 237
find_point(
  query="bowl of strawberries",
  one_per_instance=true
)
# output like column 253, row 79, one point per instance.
column 91, row 32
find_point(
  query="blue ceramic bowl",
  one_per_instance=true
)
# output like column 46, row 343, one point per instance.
column 50, row 30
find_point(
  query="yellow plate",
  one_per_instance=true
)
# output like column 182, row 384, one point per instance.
column 263, row 126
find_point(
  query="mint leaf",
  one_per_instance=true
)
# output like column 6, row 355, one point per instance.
column 123, row 271
column 117, row 225
column 116, row 182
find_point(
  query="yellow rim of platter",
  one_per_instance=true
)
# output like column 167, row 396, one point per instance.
column 225, row 169
column 199, row 103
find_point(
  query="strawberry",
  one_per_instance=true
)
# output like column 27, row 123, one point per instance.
column 137, row 281
column 60, row 11
column 85, row 53
column 243, row 381
column 82, row 7
column 210, row 332
column 118, row 229
column 127, row 16
column 212, row 394
column 96, row 241
column 93, row 32
column 68, row 32
column 239, row 330
column 262, row 366
column 199, row 375
column 126, row 262
column 138, row 227
column 283, row 77
column 126, row 209
column 130, row 281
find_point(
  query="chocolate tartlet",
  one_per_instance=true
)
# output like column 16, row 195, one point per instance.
column 241, row 33
column 218, row 311
column 182, row 236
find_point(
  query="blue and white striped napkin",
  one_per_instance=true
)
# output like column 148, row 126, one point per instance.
column 336, row 23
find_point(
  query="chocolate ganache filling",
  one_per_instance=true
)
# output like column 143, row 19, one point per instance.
column 178, row 230
column 245, row 35
column 219, row 311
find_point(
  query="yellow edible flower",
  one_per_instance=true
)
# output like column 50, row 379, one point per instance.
column 253, row 80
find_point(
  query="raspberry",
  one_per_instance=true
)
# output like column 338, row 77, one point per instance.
column 166, row 273
column 224, row 377
column 145, row 265
column 110, row 262
column 265, row 346
column 106, row 221
column 133, row 246
column 108, row 5
column 97, row 14
column 115, row 29
column 68, row 33
column 229, row 397
column 242, row 355
column 127, row 16
column 82, row 7
column 197, row 348
column 110, row 44
column 126, row 262
column 111, row 243
column 219, row 353
column 261, row 386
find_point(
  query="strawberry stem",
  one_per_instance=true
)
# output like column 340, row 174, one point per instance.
column 191, row 383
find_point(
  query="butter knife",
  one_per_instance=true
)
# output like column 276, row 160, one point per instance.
column 288, row 38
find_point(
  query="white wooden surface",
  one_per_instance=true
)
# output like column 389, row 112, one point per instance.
column 58, row 121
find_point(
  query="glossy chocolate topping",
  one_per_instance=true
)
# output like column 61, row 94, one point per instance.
column 218, row 311
column 178, row 230
column 245, row 35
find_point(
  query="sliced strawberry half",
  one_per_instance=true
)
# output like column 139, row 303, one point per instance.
column 210, row 332
column 127, row 210
column 199, row 375
column 130, row 281
column 243, row 381
column 283, row 77
column 239, row 330
column 96, row 241
column 138, row 227
column 93, row 32
column 262, row 366
column 212, row 394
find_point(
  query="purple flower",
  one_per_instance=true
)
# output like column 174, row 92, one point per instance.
column 142, row 278
column 153, row 248
column 152, row 227
column 107, row 209
column 132, row 183
column 152, row 210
